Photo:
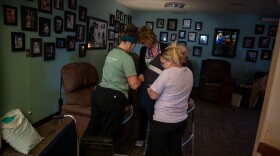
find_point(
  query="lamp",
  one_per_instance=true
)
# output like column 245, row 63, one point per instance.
column 174, row 5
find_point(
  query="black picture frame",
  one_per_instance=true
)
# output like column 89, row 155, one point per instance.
column 10, row 15
column 29, row 17
column 203, row 39
column 116, row 42
column 118, row 14
column 182, row 34
column 71, row 43
column 80, row 33
column 111, row 34
column 125, row 19
column 36, row 47
column 192, row 36
column 82, row 14
column 44, row 26
column 45, row 6
column 97, row 26
column 172, row 24
column 272, row 30
column 59, row 4
column 198, row 25
column 82, row 50
column 150, row 24
column 58, row 24
column 187, row 23
column 110, row 46
column 266, row 54
column 163, row 37
column 121, row 27
column 69, row 21
column 225, row 42
column 72, row 4
column 197, row 51
column 251, row 56
column 49, row 51
column 160, row 23
column 121, row 16
column 112, row 20
column 129, row 19
column 60, row 42
column 259, row 29
column 18, row 41
column 264, row 42
column 173, row 37
column 248, row 42
column 117, row 26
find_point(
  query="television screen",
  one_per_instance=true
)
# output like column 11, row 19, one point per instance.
column 225, row 42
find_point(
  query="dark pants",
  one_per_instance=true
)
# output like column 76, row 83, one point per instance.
column 107, row 111
column 167, row 136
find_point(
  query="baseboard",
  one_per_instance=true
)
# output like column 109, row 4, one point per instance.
column 44, row 120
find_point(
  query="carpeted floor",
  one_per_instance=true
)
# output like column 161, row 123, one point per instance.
column 219, row 131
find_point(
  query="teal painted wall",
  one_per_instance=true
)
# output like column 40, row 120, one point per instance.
column 32, row 84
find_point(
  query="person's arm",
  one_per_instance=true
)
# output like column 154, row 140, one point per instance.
column 153, row 95
column 134, row 82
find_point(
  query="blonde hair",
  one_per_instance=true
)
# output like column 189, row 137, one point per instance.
column 147, row 35
column 175, row 52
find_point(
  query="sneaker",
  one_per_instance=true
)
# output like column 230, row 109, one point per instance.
column 139, row 143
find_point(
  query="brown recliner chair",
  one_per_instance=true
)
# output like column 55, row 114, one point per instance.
column 213, row 74
column 79, row 80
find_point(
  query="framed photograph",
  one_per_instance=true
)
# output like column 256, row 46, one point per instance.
column 18, row 41
column 112, row 20
column 116, row 42
column 251, row 56
column 160, row 23
column 129, row 18
column 60, row 42
column 125, row 20
column 192, row 36
column 58, row 24
column 182, row 34
column 264, row 42
column 28, row 18
column 117, row 26
column 197, row 51
column 198, row 25
column 71, row 43
column 110, row 46
column 163, row 36
column 111, row 35
column 49, row 51
column 225, row 42
column 59, row 4
column 173, row 37
column 248, row 42
column 97, row 30
column 82, row 50
column 118, row 14
column 121, row 27
column 45, row 6
column 36, row 46
column 172, row 24
column 72, row 4
column 10, row 15
column 44, row 26
column 266, row 54
column 259, row 29
column 82, row 14
column 203, row 39
column 183, row 43
column 150, row 24
column 187, row 23
column 121, row 15
column 80, row 33
column 272, row 30
column 70, row 21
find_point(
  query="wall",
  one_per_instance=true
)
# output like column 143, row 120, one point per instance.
column 32, row 84
column 241, row 69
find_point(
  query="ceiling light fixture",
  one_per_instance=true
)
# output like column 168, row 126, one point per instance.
column 174, row 5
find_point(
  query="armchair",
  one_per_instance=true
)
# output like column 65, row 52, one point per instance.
column 79, row 80
column 214, row 74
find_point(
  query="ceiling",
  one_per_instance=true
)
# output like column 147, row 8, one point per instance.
column 263, row 8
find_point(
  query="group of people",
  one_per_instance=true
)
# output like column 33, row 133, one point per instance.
column 163, row 86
